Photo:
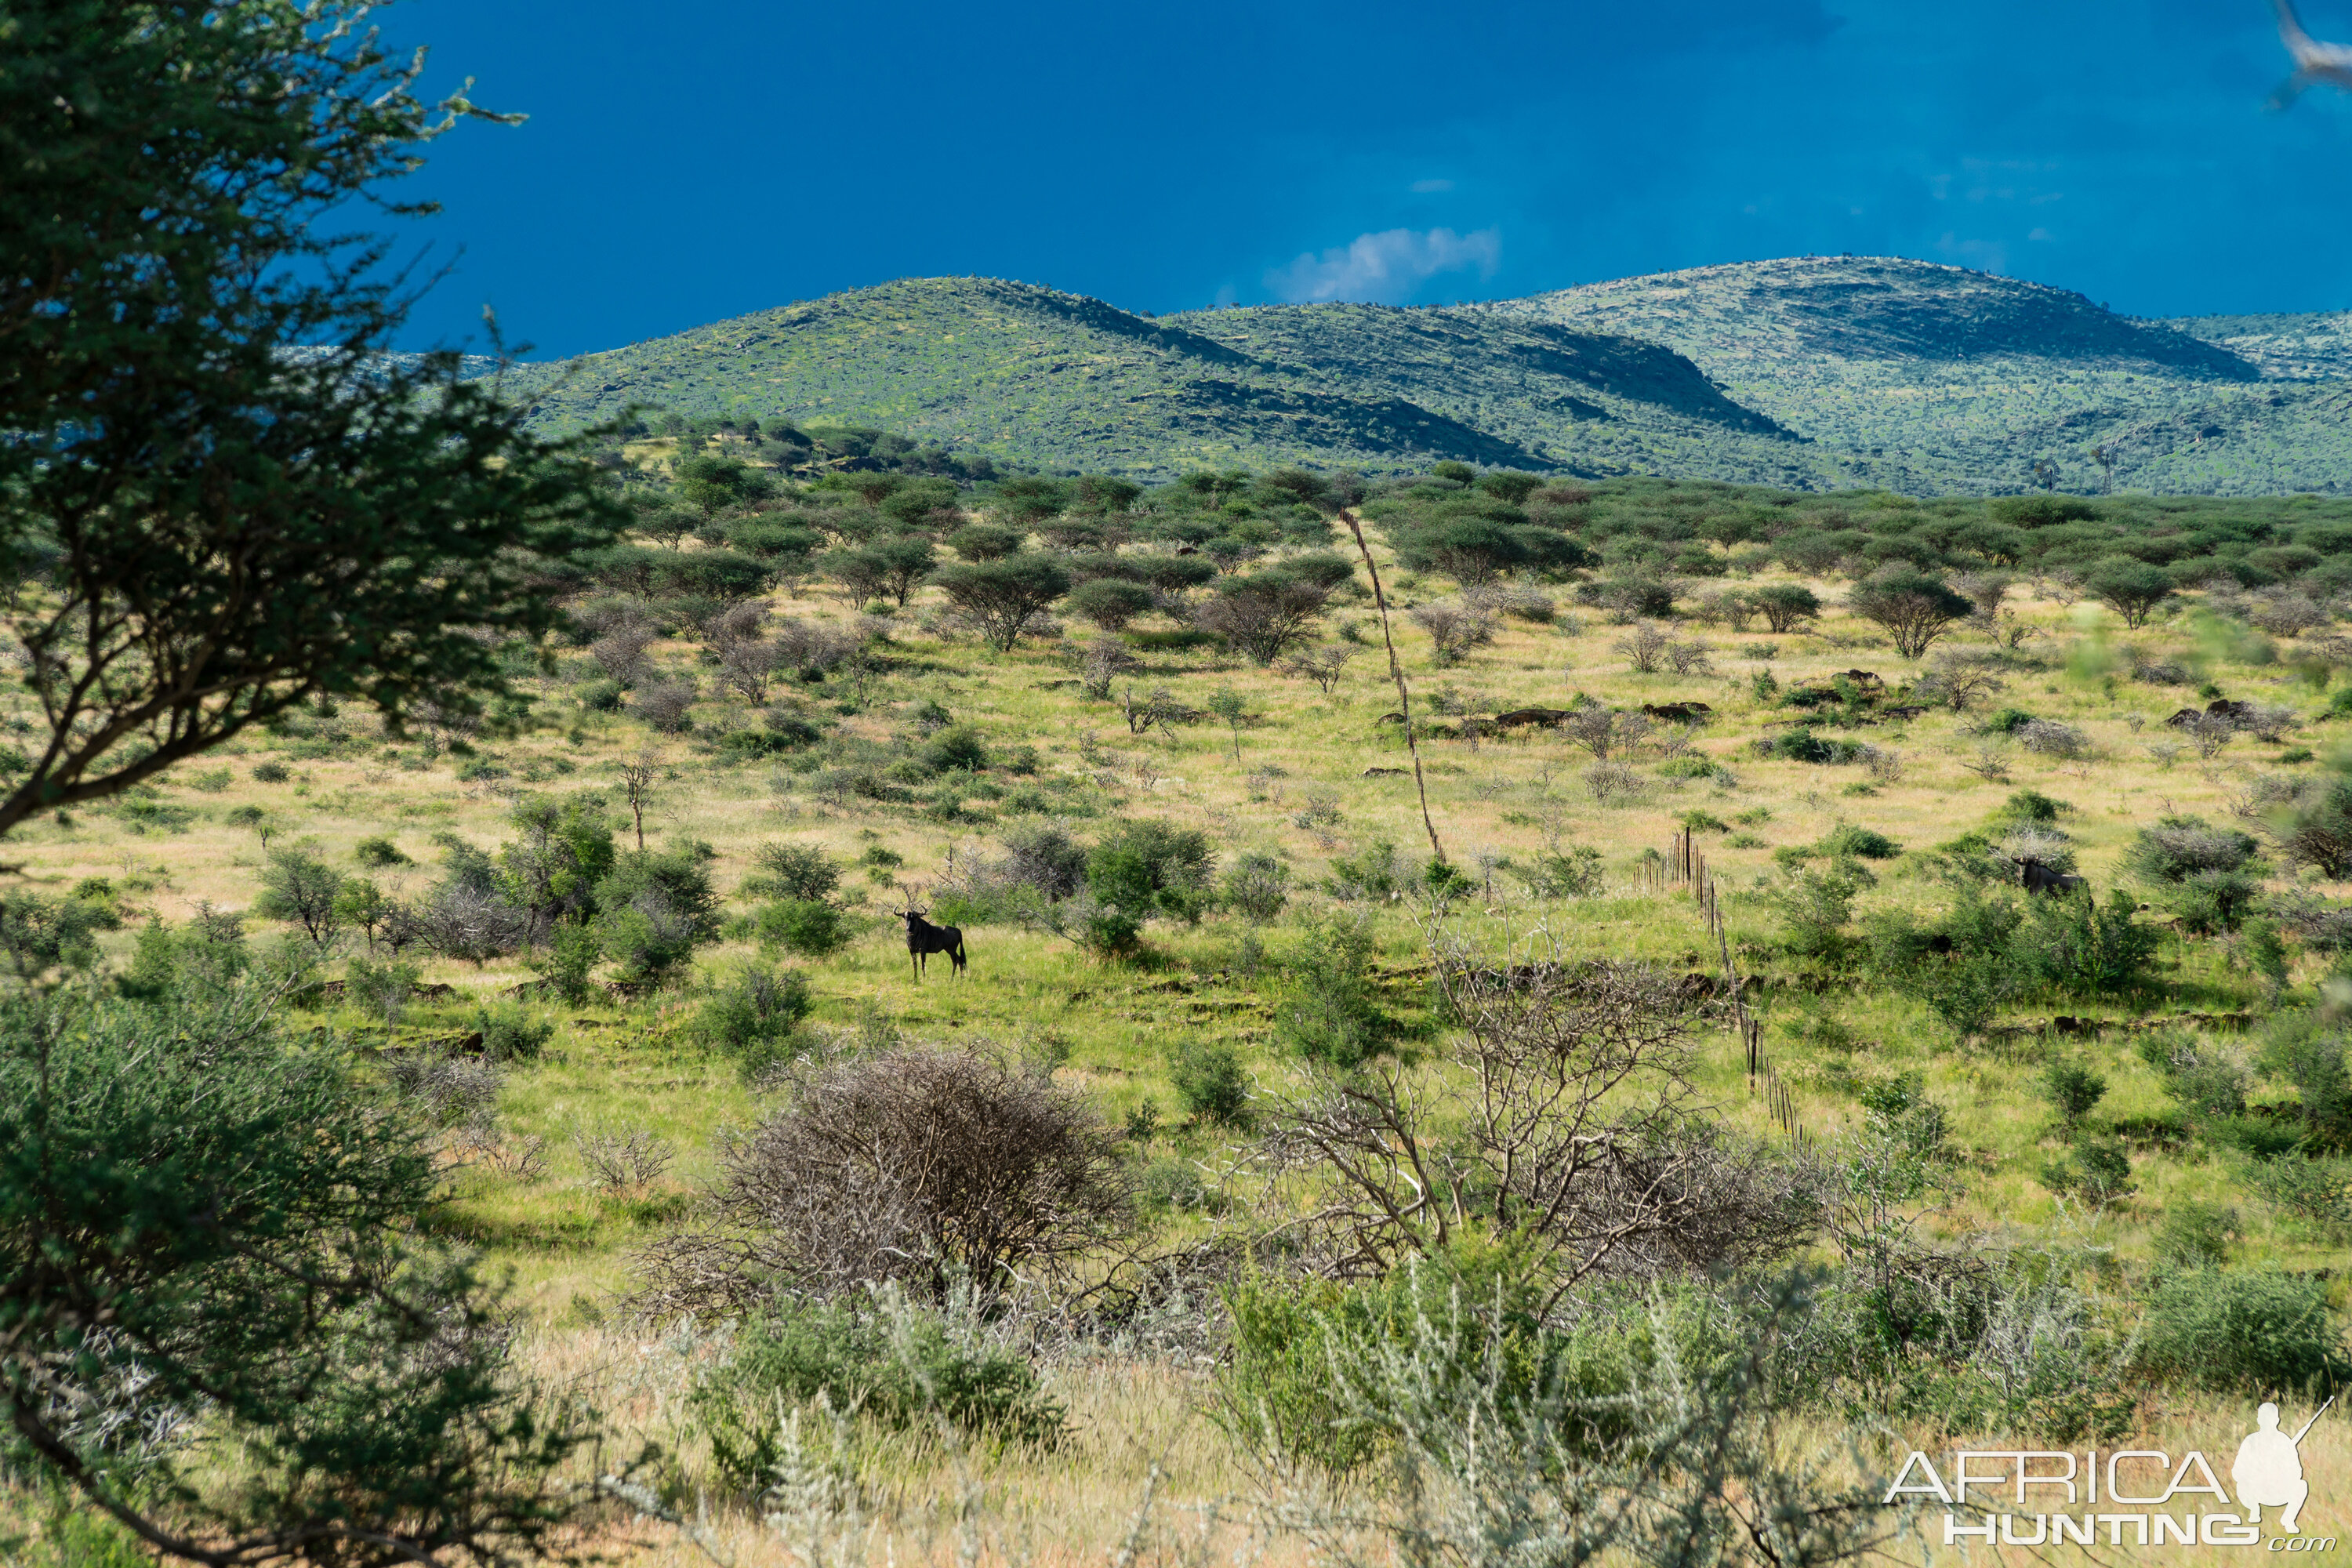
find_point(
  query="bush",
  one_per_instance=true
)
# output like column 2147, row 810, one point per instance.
column 2305, row 1050
column 666, row 706
column 1110, row 602
column 1860, row 842
column 1293, row 1343
column 958, row 749
column 271, row 772
column 1152, row 867
column 2245, row 1333
column 601, row 696
column 656, row 907
column 1786, row 605
column 800, row 871
column 893, row 1364
column 1331, row 1014
column 1257, row 887
column 930, row 1168
column 1210, row 1081
column 1915, row 609
column 1572, row 873
column 2073, row 1090
column 378, row 853
column 808, row 926
column 510, row 1034
column 756, row 1022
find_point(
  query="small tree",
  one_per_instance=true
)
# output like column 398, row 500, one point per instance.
column 221, row 530
column 1455, row 629
column 638, row 777
column 1110, row 602
column 301, row 887
column 1915, row 608
column 1233, row 709
column 1786, row 605
column 1263, row 615
column 906, row 560
column 863, row 573
column 1323, row 665
column 1001, row 596
column 2133, row 589
column 197, row 1216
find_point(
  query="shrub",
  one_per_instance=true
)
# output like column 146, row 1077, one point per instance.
column 958, row 749
column 1153, row 867
column 601, row 696
column 1299, row 1351
column 2247, row 1333
column 666, row 706
column 1257, row 887
column 1815, row 907
column 910, row 1164
column 756, row 1022
column 893, row 1364
column 1210, row 1081
column 802, row 871
column 271, row 772
column 1264, row 616
column 809, row 926
column 1109, row 602
column 1863, row 843
column 1786, row 605
column 1331, row 1014
column 2194, row 1235
column 2073, row 1090
column 300, row 888
column 378, row 853
column 1572, row 873
column 656, row 907
column 1371, row 873
column 2304, row 1049
column 510, row 1034
column 1001, row 596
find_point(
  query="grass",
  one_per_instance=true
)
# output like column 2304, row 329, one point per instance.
column 567, row 1246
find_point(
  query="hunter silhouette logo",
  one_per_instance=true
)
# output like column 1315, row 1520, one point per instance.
column 2268, row 1470
column 2073, row 1490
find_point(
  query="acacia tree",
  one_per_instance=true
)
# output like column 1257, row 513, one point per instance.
column 199, row 1224
column 219, row 497
column 1915, row 608
column 2133, row 589
column 1002, row 595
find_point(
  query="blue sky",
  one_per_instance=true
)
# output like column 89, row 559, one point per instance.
column 698, row 160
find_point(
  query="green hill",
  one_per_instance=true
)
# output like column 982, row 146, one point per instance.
column 1928, row 378
column 1055, row 379
column 1809, row 373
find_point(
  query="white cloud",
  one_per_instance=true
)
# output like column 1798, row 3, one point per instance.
column 1385, row 267
column 1431, row 187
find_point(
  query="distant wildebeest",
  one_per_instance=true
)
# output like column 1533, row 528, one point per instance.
column 2040, row 879
column 1679, row 712
column 1544, row 717
column 924, row 939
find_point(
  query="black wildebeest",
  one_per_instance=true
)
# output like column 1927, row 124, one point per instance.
column 2036, row 878
column 924, row 939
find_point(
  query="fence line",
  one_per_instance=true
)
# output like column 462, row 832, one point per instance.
column 1684, row 867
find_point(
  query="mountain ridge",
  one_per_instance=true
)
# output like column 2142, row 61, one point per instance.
column 1809, row 373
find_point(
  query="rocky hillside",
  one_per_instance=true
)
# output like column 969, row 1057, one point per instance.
column 1815, row 372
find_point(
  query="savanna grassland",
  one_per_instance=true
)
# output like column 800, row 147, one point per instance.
column 2088, row 1113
